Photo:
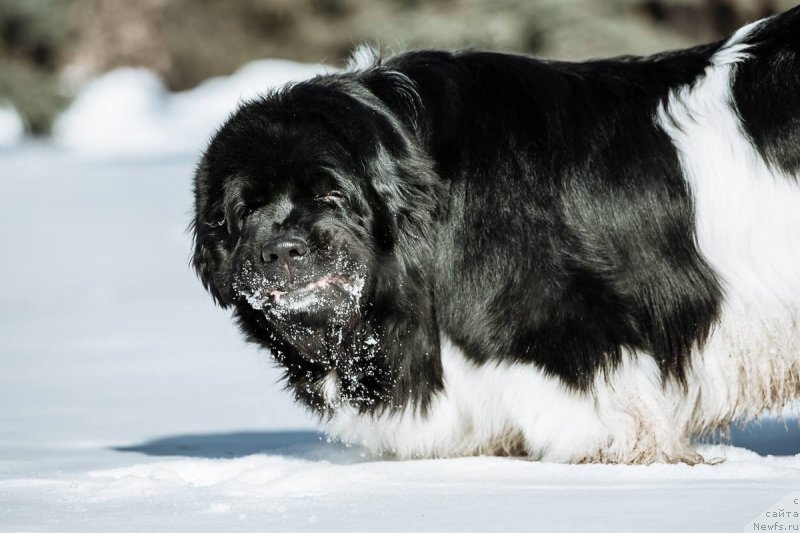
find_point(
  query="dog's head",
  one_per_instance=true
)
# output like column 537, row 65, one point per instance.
column 313, row 221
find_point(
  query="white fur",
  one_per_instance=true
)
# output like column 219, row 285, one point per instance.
column 747, row 216
column 483, row 409
column 507, row 408
column 363, row 57
column 329, row 388
column 748, row 228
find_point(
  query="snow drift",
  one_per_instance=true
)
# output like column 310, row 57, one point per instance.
column 12, row 129
column 128, row 112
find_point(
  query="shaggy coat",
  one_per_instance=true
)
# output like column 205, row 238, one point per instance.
column 469, row 252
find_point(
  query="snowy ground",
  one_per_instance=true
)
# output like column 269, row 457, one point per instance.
column 129, row 403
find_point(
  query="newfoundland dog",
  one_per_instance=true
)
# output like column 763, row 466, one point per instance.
column 454, row 253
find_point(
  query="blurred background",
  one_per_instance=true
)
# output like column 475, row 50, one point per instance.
column 50, row 48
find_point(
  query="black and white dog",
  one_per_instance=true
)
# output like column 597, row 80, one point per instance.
column 457, row 253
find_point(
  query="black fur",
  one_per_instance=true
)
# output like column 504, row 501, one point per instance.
column 530, row 210
column 765, row 91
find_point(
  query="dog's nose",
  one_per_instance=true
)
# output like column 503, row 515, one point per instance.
column 283, row 248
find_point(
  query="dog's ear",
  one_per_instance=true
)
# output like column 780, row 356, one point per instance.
column 203, row 260
column 408, row 195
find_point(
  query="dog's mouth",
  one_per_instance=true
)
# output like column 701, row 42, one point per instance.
column 331, row 291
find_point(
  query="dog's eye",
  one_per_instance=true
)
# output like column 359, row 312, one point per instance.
column 216, row 224
column 254, row 205
column 333, row 198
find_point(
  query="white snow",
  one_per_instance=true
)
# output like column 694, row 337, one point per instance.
column 12, row 129
column 129, row 112
column 129, row 403
column 472, row 494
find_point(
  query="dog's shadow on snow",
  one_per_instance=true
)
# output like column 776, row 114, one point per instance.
column 309, row 445
column 766, row 437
